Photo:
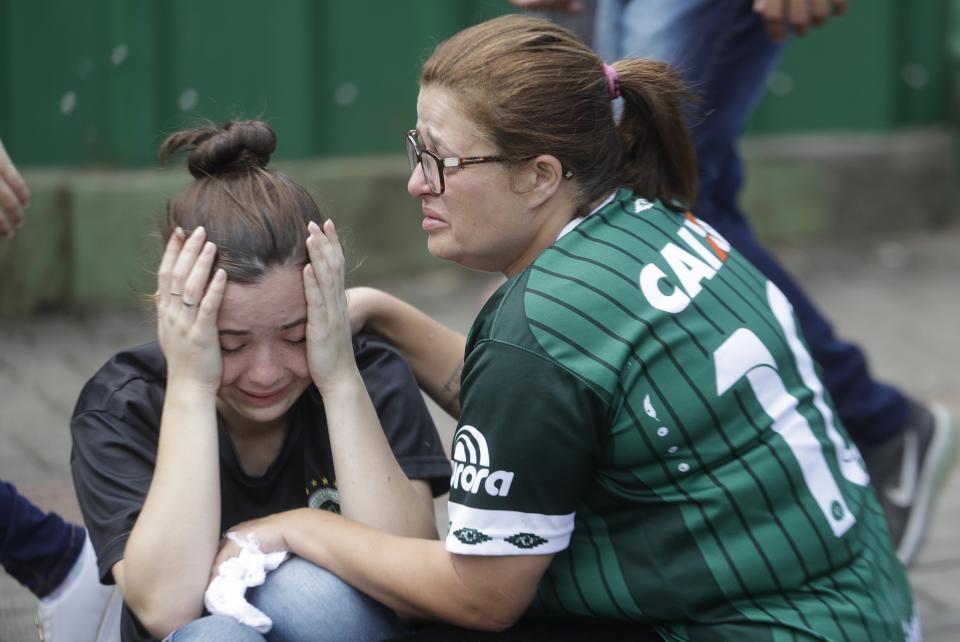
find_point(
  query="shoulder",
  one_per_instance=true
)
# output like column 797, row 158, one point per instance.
column 384, row 370
column 375, row 354
column 623, row 217
column 136, row 374
column 522, row 335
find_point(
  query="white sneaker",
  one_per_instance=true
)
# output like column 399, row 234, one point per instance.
column 81, row 609
column 909, row 471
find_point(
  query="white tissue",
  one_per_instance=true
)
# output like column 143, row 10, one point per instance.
column 225, row 595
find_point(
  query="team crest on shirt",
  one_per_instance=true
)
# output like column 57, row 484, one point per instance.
column 641, row 205
column 471, row 465
column 323, row 495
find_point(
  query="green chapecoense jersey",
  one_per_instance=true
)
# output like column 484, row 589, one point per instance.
column 639, row 402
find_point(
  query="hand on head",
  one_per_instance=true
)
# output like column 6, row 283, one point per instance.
column 784, row 16
column 14, row 196
column 329, row 345
column 187, row 308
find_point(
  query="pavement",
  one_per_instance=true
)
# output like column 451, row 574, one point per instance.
column 898, row 295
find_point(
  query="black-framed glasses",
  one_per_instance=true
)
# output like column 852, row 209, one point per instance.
column 432, row 165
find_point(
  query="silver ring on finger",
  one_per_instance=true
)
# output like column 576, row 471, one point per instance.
column 188, row 304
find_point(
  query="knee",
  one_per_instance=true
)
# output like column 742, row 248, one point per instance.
column 296, row 579
column 215, row 628
column 300, row 596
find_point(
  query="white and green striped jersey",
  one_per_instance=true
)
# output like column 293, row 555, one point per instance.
column 640, row 404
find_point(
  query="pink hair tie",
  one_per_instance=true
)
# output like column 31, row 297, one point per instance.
column 613, row 81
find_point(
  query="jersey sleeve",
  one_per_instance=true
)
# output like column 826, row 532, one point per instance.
column 524, row 453
column 113, row 457
column 403, row 413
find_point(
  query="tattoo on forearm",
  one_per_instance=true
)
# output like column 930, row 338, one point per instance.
column 450, row 392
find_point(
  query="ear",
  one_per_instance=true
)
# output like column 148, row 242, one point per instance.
column 540, row 179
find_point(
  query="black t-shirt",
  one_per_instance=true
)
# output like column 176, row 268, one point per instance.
column 116, row 425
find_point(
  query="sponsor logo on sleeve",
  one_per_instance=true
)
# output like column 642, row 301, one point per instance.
column 471, row 465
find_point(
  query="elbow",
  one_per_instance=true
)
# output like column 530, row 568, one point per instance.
column 492, row 616
column 160, row 620
column 492, row 622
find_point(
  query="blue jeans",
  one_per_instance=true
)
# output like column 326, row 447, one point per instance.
column 37, row 549
column 305, row 602
column 721, row 48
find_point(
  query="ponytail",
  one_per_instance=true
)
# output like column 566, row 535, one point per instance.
column 659, row 159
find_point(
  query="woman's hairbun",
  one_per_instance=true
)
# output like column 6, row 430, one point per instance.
column 237, row 146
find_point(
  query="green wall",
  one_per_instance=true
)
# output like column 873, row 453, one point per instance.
column 882, row 66
column 99, row 82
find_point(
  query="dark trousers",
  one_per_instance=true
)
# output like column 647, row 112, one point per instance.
column 37, row 549
column 723, row 51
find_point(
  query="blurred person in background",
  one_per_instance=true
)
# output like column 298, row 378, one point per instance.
column 726, row 51
column 51, row 557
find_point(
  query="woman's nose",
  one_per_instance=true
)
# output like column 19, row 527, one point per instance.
column 264, row 369
column 417, row 185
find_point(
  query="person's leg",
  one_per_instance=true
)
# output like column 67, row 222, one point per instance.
column 215, row 628
column 37, row 549
column 307, row 602
column 871, row 411
column 723, row 50
column 55, row 560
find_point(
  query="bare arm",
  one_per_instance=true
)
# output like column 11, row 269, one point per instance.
column 373, row 488
column 434, row 351
column 166, row 562
column 782, row 16
column 417, row 578
column 14, row 196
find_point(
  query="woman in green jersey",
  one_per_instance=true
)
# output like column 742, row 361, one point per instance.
column 643, row 446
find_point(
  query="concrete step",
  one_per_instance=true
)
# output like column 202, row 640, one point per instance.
column 90, row 241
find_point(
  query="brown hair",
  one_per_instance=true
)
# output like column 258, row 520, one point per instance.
column 532, row 87
column 256, row 217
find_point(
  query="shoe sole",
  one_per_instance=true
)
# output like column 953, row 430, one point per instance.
column 934, row 472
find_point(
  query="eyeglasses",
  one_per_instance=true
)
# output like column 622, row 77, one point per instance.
column 432, row 165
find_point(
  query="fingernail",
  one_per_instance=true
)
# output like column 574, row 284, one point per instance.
column 313, row 227
column 179, row 231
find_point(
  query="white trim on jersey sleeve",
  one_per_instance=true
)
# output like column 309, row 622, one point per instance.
column 477, row 531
